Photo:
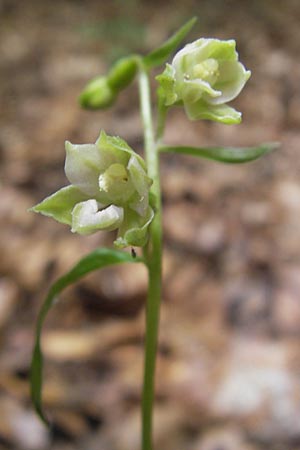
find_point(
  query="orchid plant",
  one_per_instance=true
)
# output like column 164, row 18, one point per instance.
column 114, row 188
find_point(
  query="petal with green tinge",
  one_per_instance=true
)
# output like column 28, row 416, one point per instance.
column 83, row 165
column 87, row 219
column 193, row 90
column 233, row 77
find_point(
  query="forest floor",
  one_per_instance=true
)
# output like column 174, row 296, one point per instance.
column 228, row 375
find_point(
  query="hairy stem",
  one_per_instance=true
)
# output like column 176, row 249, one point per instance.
column 154, row 262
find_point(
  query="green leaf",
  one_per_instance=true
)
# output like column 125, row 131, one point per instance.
column 95, row 260
column 225, row 154
column 161, row 54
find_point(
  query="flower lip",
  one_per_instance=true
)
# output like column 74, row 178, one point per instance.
column 87, row 217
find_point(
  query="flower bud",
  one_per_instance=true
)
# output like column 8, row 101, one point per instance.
column 122, row 73
column 204, row 76
column 97, row 94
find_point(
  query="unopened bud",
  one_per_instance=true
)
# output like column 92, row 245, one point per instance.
column 97, row 94
column 122, row 73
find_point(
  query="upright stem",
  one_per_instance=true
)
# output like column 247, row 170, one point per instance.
column 154, row 262
column 161, row 120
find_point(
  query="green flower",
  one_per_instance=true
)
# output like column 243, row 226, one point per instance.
column 109, row 190
column 204, row 76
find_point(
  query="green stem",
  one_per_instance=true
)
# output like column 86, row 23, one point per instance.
column 154, row 262
column 161, row 119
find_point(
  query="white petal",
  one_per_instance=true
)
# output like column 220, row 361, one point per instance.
column 142, row 183
column 138, row 176
column 86, row 218
column 191, row 50
column 82, row 167
column 232, row 79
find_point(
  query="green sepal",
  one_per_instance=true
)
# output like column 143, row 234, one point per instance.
column 166, row 90
column 122, row 73
column 134, row 230
column 115, row 143
column 228, row 155
column 97, row 259
column 160, row 55
column 218, row 113
column 59, row 205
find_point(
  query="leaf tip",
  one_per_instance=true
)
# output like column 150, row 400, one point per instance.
column 193, row 20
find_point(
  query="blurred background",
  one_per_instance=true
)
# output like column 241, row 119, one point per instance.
column 228, row 375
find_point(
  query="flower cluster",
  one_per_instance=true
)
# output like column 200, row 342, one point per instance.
column 109, row 187
column 204, row 76
column 109, row 190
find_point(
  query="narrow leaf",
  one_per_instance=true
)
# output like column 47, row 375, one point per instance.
column 95, row 260
column 229, row 155
column 161, row 54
